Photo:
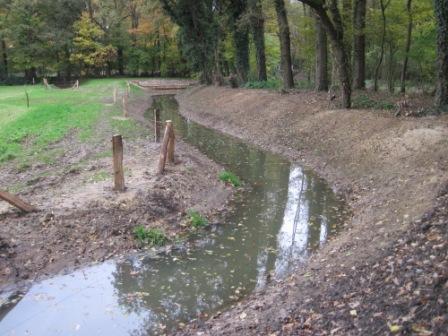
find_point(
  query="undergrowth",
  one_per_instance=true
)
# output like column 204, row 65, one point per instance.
column 365, row 102
column 196, row 219
column 152, row 236
column 230, row 178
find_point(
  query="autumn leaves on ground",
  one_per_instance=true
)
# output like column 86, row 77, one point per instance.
column 57, row 155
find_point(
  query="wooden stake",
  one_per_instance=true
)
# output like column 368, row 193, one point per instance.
column 46, row 83
column 27, row 99
column 125, row 105
column 115, row 95
column 156, row 125
column 164, row 148
column 171, row 145
column 17, row 202
column 128, row 88
column 117, row 150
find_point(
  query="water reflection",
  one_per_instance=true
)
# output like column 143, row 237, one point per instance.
column 287, row 213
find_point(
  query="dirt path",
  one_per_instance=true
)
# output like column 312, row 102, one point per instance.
column 387, row 273
column 81, row 219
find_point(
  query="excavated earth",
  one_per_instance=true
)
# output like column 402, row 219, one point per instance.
column 81, row 219
column 387, row 273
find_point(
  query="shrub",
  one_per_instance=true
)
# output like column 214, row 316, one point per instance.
column 153, row 237
column 269, row 84
column 229, row 177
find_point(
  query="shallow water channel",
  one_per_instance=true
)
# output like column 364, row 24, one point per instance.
column 285, row 214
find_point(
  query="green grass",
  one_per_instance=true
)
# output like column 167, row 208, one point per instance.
column 269, row 84
column 230, row 178
column 25, row 132
column 101, row 175
column 152, row 236
column 365, row 102
column 196, row 219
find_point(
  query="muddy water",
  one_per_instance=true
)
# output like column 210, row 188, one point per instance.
column 283, row 216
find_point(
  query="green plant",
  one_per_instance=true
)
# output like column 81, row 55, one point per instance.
column 196, row 219
column 269, row 84
column 228, row 177
column 152, row 236
column 365, row 102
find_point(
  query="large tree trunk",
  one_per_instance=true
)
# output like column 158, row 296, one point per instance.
column 407, row 48
column 335, row 31
column 120, row 59
column 359, row 45
column 285, row 44
column 5, row 59
column 321, row 57
column 441, row 12
column 240, row 39
column 257, row 25
column 383, row 6
column 347, row 21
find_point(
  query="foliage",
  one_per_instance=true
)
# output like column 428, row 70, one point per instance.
column 151, row 236
column 228, row 177
column 196, row 219
column 363, row 101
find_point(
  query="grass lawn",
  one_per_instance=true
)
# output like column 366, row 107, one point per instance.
column 53, row 113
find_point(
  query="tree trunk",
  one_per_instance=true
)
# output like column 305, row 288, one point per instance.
column 240, row 36
column 441, row 13
column 359, row 45
column 257, row 25
column 347, row 21
column 321, row 57
column 5, row 59
column 120, row 59
column 391, row 67
column 335, row 31
column 383, row 38
column 407, row 48
column 285, row 44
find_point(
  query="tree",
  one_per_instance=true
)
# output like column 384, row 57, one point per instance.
column 240, row 36
column 285, row 44
column 256, row 19
column 331, row 20
column 89, row 52
column 359, row 45
column 408, row 46
column 321, row 57
column 383, row 5
column 441, row 13
column 198, row 32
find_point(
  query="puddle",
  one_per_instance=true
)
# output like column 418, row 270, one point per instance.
column 285, row 215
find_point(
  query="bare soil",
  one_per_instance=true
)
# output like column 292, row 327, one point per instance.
column 385, row 274
column 81, row 219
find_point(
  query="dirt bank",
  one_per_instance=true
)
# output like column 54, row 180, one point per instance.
column 387, row 272
column 81, row 219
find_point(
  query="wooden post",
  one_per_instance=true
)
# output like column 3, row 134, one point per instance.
column 34, row 82
column 171, row 145
column 115, row 95
column 17, row 202
column 46, row 83
column 128, row 88
column 156, row 125
column 125, row 105
column 164, row 148
column 27, row 99
column 117, row 152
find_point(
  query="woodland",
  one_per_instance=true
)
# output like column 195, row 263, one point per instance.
column 340, row 45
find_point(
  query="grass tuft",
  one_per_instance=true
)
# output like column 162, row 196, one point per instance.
column 152, row 236
column 196, row 219
column 230, row 178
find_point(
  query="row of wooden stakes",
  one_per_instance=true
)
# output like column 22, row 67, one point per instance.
column 166, row 154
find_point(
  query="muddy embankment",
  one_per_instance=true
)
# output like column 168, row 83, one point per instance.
column 81, row 219
column 387, row 271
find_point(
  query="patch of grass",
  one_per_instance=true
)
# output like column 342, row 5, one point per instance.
column 365, row 102
column 152, row 236
column 99, row 176
column 269, row 84
column 230, row 178
column 196, row 219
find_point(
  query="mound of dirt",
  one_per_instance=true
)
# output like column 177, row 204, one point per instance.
column 387, row 272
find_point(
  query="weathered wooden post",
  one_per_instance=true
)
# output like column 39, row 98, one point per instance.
column 164, row 148
column 115, row 95
column 34, row 82
column 128, row 88
column 17, row 202
column 125, row 105
column 27, row 99
column 46, row 83
column 117, row 152
column 171, row 145
column 156, row 125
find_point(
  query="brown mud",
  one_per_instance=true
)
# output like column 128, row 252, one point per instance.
column 81, row 219
column 387, row 272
